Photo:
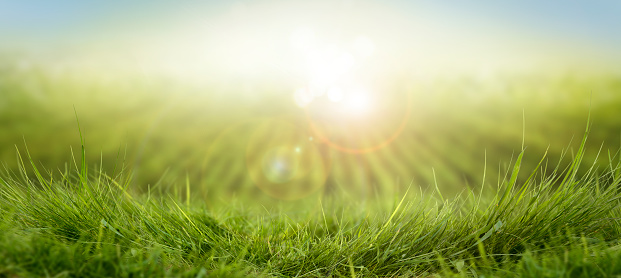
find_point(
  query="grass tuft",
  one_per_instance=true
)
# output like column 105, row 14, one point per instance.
column 85, row 223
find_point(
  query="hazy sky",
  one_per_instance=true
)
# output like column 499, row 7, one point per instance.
column 591, row 26
column 595, row 20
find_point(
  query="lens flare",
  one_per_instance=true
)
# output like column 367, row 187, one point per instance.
column 358, row 102
column 283, row 162
column 303, row 97
column 343, row 127
column 335, row 94
column 280, row 164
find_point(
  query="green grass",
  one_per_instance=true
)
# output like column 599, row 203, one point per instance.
column 83, row 222
column 441, row 200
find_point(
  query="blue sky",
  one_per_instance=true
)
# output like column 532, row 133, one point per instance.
column 54, row 20
column 598, row 21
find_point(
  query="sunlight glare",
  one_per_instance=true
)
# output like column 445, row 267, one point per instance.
column 328, row 65
column 303, row 39
column 303, row 97
column 335, row 94
column 345, row 63
column 358, row 102
column 364, row 46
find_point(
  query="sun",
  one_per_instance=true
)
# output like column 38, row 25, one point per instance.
column 330, row 71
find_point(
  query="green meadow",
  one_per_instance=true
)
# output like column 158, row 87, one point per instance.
column 118, row 173
column 171, row 131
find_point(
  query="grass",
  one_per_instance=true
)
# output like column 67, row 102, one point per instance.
column 109, row 213
column 81, row 222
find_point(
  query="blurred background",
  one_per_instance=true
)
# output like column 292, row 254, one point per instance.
column 287, row 100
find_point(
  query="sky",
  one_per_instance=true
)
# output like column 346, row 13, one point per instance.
column 595, row 20
column 425, row 31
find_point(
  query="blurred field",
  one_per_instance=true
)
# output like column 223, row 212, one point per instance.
column 219, row 135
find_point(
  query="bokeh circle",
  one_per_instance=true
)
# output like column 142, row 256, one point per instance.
column 284, row 162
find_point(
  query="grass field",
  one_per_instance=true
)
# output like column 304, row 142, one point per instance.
column 351, row 138
column 488, row 178
column 83, row 222
column 456, row 126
